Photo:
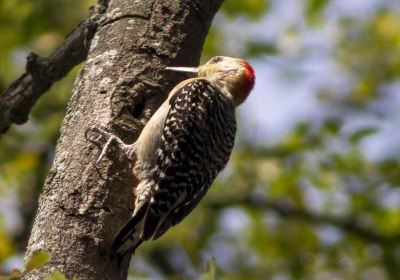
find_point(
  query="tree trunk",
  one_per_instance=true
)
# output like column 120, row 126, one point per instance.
column 122, row 83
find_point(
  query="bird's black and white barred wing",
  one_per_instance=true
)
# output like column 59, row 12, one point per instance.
column 196, row 144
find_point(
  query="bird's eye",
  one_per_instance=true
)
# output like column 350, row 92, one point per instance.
column 216, row 59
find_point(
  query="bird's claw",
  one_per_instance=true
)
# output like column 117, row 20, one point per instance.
column 97, row 135
column 107, row 147
column 106, row 141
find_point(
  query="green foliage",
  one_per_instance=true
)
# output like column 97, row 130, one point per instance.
column 37, row 260
column 6, row 247
column 314, row 9
column 371, row 53
column 36, row 26
column 14, row 275
column 56, row 275
column 211, row 270
column 360, row 134
column 257, row 48
column 250, row 8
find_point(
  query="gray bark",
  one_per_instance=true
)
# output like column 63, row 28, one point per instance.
column 121, row 84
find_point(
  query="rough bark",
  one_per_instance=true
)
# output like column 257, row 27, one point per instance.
column 121, row 84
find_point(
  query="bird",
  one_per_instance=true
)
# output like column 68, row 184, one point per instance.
column 183, row 147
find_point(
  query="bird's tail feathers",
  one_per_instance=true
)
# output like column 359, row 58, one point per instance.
column 129, row 238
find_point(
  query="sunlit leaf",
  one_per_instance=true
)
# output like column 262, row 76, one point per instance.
column 56, row 275
column 37, row 260
column 6, row 244
column 361, row 134
column 211, row 270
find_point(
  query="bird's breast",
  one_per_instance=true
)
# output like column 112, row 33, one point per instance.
column 150, row 138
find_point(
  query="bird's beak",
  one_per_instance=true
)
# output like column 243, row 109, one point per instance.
column 193, row 70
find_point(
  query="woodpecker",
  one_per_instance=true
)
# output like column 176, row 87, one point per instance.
column 183, row 147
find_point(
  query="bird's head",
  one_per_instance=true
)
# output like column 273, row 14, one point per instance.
column 232, row 76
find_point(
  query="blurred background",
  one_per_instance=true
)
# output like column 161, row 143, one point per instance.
column 312, row 190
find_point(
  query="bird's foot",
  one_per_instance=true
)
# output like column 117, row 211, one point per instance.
column 107, row 142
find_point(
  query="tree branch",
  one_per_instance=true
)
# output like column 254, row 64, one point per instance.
column 288, row 210
column 18, row 99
